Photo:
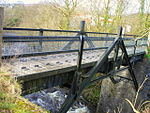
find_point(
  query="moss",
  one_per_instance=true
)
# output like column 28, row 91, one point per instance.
column 92, row 93
column 10, row 99
column 7, row 105
column 147, row 56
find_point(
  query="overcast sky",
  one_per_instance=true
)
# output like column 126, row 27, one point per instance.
column 133, row 6
column 25, row 1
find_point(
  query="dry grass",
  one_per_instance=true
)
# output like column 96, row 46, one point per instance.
column 10, row 99
column 143, row 107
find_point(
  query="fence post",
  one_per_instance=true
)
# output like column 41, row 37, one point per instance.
column 1, row 30
column 106, row 42
column 40, row 41
column 81, row 46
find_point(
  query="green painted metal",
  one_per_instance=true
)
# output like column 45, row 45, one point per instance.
column 75, row 92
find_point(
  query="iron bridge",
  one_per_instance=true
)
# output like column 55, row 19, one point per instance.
column 56, row 57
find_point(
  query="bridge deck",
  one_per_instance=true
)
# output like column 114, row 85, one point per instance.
column 28, row 68
column 50, row 58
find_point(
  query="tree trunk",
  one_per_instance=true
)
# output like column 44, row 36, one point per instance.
column 1, row 30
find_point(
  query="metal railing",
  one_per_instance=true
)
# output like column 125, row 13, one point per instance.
column 70, row 39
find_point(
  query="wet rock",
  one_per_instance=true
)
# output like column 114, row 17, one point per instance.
column 113, row 96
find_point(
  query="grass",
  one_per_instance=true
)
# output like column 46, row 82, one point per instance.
column 147, row 56
column 10, row 99
column 148, row 53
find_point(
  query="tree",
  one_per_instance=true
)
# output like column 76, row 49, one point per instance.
column 120, row 8
column 101, row 13
column 96, row 9
column 67, row 10
column 144, row 16
column 106, row 14
column 14, row 15
column 147, row 15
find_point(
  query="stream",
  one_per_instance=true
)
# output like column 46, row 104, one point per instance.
column 52, row 99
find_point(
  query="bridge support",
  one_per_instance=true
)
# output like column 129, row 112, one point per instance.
column 112, row 96
column 78, row 85
column 1, row 30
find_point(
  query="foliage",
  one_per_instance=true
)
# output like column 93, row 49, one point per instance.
column 100, row 15
column 148, row 53
column 14, row 16
column 67, row 12
column 13, row 22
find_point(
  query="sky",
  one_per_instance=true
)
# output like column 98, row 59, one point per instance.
column 25, row 1
column 132, row 8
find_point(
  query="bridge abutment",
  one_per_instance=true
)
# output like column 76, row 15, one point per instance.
column 112, row 96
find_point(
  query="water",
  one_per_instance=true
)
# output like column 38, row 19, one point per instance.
column 52, row 99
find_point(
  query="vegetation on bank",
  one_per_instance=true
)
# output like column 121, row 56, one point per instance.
column 92, row 92
column 10, row 99
column 148, row 53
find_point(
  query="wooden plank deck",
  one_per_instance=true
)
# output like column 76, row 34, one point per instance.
column 27, row 68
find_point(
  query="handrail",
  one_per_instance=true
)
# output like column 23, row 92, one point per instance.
column 41, row 38
column 69, row 31
column 58, row 52
column 56, row 38
column 49, row 52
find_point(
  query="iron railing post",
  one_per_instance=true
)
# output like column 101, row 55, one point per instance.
column 106, row 42
column 75, row 84
column 81, row 46
column 40, row 41
column 79, row 60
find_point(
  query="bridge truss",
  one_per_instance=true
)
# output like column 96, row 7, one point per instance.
column 81, row 81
